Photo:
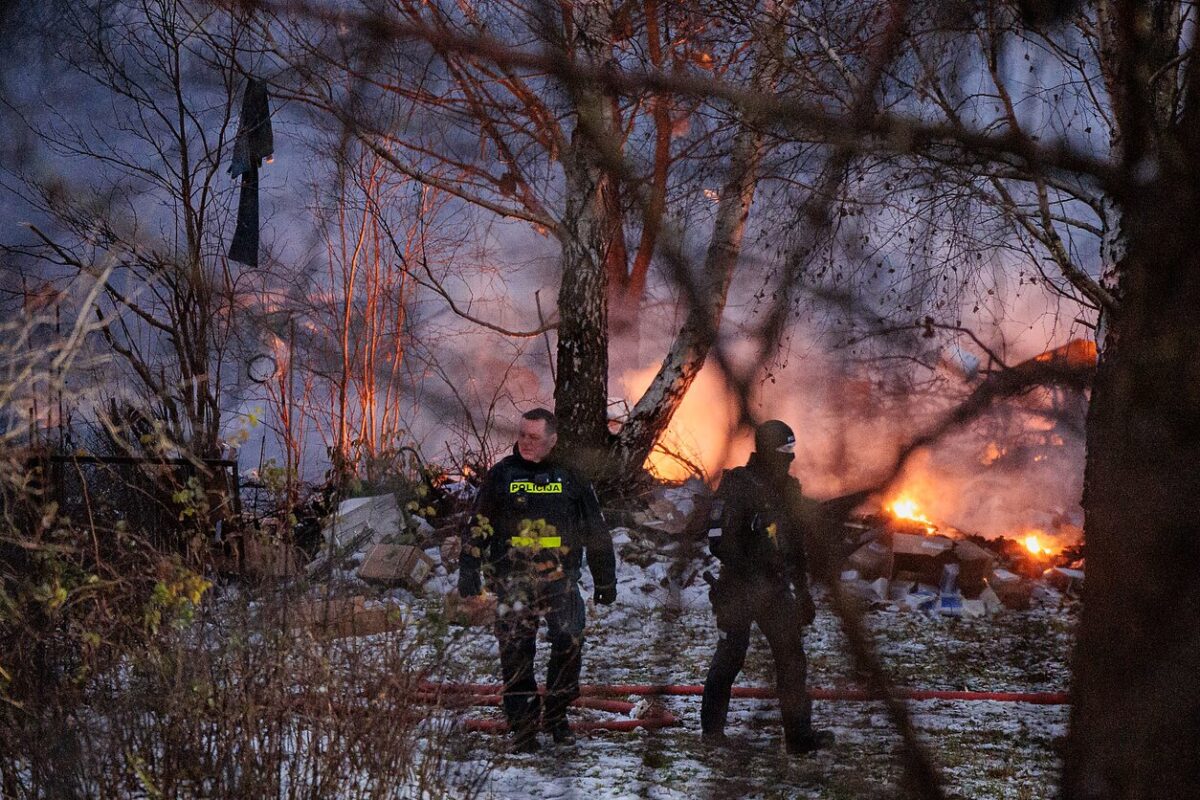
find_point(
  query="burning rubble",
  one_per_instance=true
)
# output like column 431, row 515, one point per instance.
column 903, row 560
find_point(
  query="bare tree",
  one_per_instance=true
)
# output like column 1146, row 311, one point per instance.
column 151, row 201
column 1133, row 724
column 589, row 168
column 1106, row 217
column 377, row 238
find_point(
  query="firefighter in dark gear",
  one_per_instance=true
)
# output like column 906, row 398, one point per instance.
column 534, row 525
column 756, row 535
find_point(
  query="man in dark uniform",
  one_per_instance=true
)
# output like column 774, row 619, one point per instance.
column 534, row 524
column 756, row 535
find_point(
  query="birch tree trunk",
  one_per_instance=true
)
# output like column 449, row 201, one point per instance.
column 650, row 417
column 653, row 411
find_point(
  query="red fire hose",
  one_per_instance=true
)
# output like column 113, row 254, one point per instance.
column 591, row 696
column 479, row 694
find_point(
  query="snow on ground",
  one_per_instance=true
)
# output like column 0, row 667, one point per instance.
column 659, row 633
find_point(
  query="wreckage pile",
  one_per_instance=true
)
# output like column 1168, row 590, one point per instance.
column 373, row 537
column 901, row 566
column 924, row 572
column 890, row 563
column 376, row 544
column 371, row 544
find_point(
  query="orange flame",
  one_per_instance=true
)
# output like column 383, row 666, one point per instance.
column 1034, row 545
column 904, row 507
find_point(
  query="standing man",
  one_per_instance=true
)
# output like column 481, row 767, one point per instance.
column 534, row 523
column 760, row 543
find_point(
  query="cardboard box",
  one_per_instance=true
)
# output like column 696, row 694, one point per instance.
column 340, row 617
column 923, row 555
column 975, row 564
column 451, row 551
column 473, row 612
column 872, row 560
column 1013, row 591
column 265, row 557
column 1066, row 580
column 396, row 563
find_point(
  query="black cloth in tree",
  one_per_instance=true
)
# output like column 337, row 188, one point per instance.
column 254, row 142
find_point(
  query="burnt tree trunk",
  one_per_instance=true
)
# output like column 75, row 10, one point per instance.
column 1135, row 719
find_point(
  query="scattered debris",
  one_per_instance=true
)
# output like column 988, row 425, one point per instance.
column 393, row 564
column 950, row 602
column 925, row 556
column 1013, row 591
column 451, row 551
column 378, row 537
column 1065, row 579
column 641, row 552
column 358, row 523
column 335, row 618
column 476, row 612
column 974, row 566
column 673, row 509
column 899, row 567
column 872, row 560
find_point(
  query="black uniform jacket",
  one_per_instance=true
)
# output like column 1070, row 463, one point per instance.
column 521, row 501
column 760, row 541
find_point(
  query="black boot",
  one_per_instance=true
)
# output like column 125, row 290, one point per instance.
column 812, row 740
column 560, row 731
column 524, row 739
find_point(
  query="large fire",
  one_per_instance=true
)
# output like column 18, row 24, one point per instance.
column 969, row 484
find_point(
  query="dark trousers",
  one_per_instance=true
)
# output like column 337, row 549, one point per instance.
column 562, row 607
column 777, row 615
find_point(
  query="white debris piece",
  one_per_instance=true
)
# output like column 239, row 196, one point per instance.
column 359, row 524
column 461, row 490
column 974, row 609
column 672, row 508
column 991, row 601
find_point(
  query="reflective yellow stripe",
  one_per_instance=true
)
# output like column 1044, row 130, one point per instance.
column 543, row 542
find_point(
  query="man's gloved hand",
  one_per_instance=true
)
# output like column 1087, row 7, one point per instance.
column 605, row 595
column 808, row 611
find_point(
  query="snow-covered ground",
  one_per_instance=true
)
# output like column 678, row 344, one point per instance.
column 658, row 633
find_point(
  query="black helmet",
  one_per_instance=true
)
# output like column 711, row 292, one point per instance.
column 774, row 436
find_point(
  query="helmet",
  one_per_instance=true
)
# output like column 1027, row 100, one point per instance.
column 774, row 436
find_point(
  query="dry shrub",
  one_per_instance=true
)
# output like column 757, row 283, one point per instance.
column 124, row 673
column 247, row 702
column 240, row 697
